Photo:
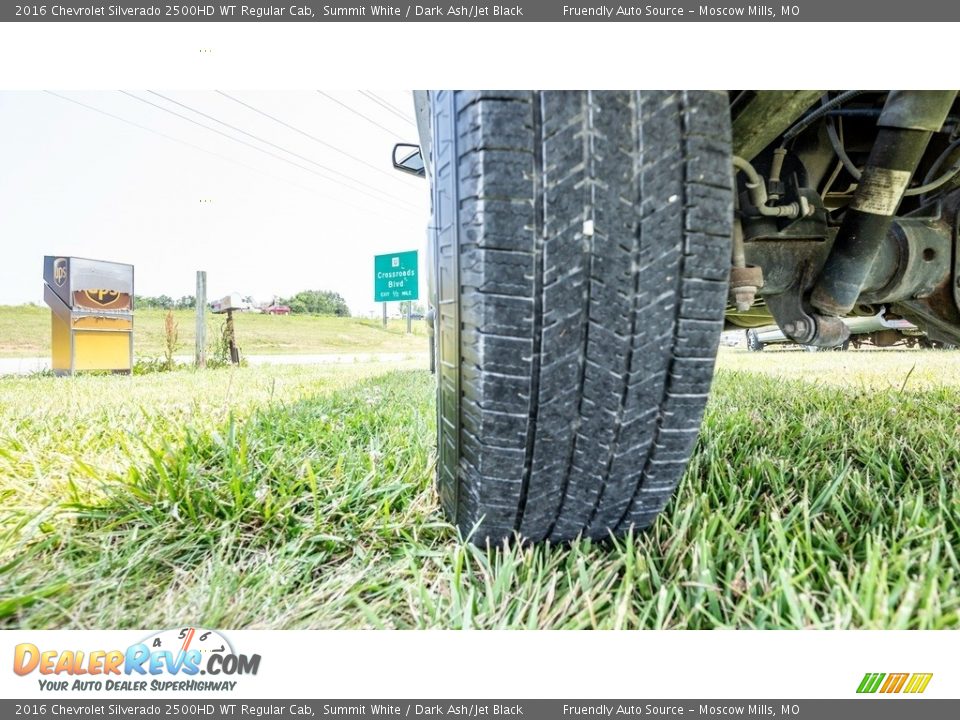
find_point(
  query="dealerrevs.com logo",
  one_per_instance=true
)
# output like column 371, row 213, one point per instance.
column 893, row 683
column 169, row 660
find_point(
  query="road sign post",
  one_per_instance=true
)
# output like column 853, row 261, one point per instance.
column 396, row 279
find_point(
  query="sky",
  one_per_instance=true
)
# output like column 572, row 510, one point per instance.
column 175, row 182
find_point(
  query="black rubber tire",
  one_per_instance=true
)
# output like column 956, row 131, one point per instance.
column 753, row 341
column 927, row 344
column 574, row 367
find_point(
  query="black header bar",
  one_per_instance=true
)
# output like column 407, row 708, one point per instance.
column 523, row 11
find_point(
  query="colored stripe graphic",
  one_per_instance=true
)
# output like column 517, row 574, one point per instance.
column 894, row 683
column 870, row 682
column 918, row 682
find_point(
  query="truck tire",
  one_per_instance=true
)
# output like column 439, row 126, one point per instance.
column 582, row 253
column 753, row 341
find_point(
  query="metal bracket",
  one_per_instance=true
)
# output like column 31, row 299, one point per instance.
column 799, row 324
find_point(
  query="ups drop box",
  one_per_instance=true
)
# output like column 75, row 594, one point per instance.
column 92, row 314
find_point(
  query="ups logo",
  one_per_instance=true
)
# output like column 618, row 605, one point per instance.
column 60, row 271
column 103, row 298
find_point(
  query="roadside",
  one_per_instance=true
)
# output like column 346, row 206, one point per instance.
column 25, row 333
column 875, row 368
column 31, row 365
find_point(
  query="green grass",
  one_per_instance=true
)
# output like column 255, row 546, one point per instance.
column 25, row 332
column 290, row 497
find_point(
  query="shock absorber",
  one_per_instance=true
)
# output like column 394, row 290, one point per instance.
column 908, row 120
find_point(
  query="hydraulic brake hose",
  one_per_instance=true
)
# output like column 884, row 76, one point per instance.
column 758, row 194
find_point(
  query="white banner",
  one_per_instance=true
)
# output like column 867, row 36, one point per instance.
column 484, row 665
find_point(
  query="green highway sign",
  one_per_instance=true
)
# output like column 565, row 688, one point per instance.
column 395, row 277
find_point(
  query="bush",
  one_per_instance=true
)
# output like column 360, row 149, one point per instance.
column 317, row 302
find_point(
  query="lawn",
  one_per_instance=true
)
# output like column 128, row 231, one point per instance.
column 25, row 332
column 295, row 497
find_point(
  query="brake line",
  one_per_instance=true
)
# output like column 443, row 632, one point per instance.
column 928, row 186
column 826, row 107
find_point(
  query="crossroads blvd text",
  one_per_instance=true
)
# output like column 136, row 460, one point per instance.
column 613, row 12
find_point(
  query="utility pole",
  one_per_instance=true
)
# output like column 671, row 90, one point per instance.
column 200, row 354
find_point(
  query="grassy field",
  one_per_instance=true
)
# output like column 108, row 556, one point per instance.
column 293, row 497
column 25, row 332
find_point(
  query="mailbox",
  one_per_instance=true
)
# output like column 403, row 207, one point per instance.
column 91, row 303
column 228, row 303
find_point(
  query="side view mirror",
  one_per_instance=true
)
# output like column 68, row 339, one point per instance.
column 411, row 159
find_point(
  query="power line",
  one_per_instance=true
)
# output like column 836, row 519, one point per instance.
column 192, row 146
column 369, row 119
column 174, row 139
column 391, row 108
column 391, row 175
column 403, row 113
column 278, row 147
column 259, row 149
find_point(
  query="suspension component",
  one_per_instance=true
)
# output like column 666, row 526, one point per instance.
column 908, row 120
column 911, row 271
column 745, row 280
column 744, row 283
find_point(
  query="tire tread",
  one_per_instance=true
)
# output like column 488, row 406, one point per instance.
column 582, row 363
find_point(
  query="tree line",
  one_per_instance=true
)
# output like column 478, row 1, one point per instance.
column 305, row 302
column 164, row 302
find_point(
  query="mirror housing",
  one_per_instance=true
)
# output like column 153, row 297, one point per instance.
column 411, row 159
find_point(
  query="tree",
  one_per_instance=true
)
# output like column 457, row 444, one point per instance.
column 163, row 302
column 317, row 302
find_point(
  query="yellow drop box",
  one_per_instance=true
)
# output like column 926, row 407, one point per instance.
column 91, row 303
